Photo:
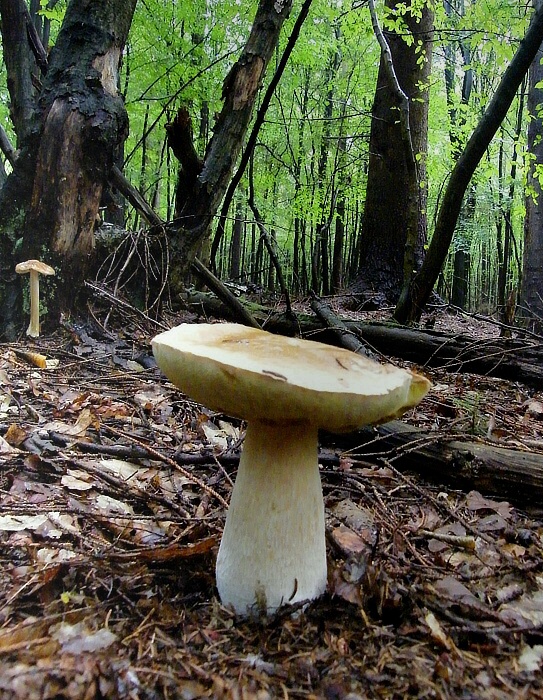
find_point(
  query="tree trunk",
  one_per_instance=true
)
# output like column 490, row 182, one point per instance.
column 240, row 91
column 460, row 285
column 79, row 123
column 532, row 276
column 20, row 66
column 411, row 305
column 235, row 244
column 392, row 184
column 504, row 272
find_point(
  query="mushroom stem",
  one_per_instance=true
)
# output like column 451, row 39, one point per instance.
column 273, row 547
column 34, row 326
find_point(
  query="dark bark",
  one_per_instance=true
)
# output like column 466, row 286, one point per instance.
column 190, row 165
column 20, row 66
column 240, row 90
column 411, row 305
column 460, row 283
column 235, row 244
column 532, row 276
column 394, row 186
column 80, row 121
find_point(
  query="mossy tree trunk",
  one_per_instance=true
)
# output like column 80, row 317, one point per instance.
column 74, row 126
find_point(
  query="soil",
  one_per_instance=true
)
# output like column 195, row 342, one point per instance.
column 113, row 498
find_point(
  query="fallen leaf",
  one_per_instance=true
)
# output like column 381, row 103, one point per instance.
column 76, row 639
column 75, row 480
column 84, row 420
column 7, row 449
column 531, row 658
column 108, row 505
column 534, row 409
column 528, row 609
column 475, row 501
column 438, row 635
column 349, row 542
column 125, row 471
column 16, row 523
column 15, row 435
column 50, row 555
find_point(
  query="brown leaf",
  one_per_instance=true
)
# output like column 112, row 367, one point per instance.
column 349, row 542
column 475, row 501
column 15, row 435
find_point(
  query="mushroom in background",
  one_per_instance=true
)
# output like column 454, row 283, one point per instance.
column 273, row 548
column 35, row 268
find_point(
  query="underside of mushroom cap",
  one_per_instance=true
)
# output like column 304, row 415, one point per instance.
column 253, row 374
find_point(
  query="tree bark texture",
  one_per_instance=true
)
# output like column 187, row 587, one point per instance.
column 240, row 91
column 454, row 461
column 411, row 305
column 20, row 65
column 79, row 123
column 392, row 184
column 532, row 275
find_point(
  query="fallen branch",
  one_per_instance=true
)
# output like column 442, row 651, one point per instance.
column 224, row 294
column 501, row 472
column 346, row 337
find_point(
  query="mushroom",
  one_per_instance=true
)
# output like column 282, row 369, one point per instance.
column 35, row 268
column 273, row 549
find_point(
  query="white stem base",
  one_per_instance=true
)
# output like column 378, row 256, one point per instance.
column 273, row 549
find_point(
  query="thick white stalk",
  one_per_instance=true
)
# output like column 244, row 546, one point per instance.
column 273, row 547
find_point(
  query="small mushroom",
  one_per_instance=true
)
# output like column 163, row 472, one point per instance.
column 35, row 268
column 273, row 548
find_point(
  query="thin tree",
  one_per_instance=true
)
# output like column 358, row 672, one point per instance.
column 411, row 304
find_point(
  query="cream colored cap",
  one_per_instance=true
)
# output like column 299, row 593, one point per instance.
column 35, row 265
column 256, row 375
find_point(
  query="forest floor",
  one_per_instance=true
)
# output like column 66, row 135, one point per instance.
column 112, row 492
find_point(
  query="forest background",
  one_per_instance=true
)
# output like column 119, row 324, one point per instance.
column 313, row 158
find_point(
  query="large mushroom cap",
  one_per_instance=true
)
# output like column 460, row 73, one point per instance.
column 255, row 375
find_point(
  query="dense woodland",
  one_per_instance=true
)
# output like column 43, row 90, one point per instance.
column 322, row 147
column 367, row 174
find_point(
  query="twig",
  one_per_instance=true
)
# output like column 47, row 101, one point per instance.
column 174, row 465
column 103, row 292
column 215, row 284
column 271, row 246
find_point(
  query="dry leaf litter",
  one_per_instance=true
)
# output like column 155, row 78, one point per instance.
column 113, row 495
